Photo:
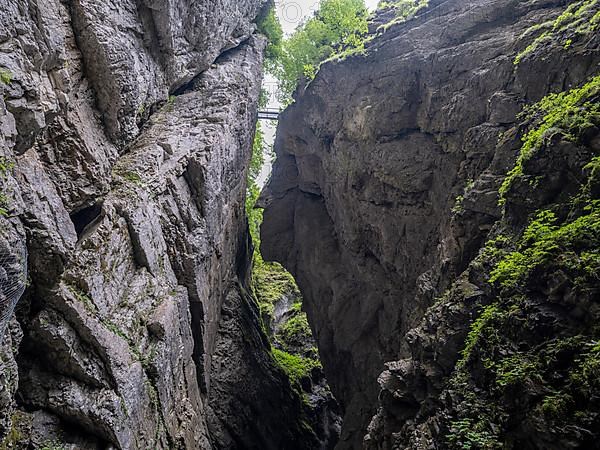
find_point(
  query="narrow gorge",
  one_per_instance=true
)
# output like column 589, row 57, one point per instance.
column 427, row 271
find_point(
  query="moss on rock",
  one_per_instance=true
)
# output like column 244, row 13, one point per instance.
column 531, row 353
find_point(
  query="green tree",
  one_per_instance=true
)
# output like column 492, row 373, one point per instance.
column 337, row 25
column 270, row 27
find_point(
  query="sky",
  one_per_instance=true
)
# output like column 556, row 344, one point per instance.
column 291, row 13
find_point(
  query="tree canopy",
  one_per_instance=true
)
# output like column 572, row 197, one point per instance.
column 337, row 25
column 270, row 27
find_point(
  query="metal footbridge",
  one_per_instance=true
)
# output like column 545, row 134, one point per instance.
column 268, row 114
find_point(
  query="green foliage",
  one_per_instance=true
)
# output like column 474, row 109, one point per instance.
column 556, row 405
column 258, row 153
column 475, row 425
column 581, row 382
column 545, row 36
column 458, row 207
column 296, row 367
column 558, row 376
column 572, row 112
column 404, row 10
column 585, row 377
column 271, row 282
column 270, row 27
column 543, row 224
column 579, row 18
column 5, row 76
column 515, row 369
column 252, row 189
column 480, row 328
column 496, row 248
column 254, row 214
column 296, row 329
column 471, row 434
column 572, row 362
column 516, row 348
column 338, row 26
column 543, row 242
column 6, row 166
column 263, row 100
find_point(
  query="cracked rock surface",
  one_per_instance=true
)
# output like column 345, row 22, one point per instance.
column 371, row 159
column 126, row 129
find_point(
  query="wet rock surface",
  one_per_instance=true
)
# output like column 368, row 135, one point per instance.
column 386, row 186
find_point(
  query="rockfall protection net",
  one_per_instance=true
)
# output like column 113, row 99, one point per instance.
column 13, row 279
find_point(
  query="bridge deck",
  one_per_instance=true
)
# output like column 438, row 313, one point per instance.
column 268, row 115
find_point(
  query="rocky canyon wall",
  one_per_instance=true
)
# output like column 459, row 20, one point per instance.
column 126, row 133
column 384, row 191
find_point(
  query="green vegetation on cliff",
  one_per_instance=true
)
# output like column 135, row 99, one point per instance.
column 270, row 284
column 579, row 18
column 543, row 241
column 403, row 10
column 5, row 76
column 284, row 323
column 570, row 114
column 533, row 353
column 296, row 367
column 270, row 281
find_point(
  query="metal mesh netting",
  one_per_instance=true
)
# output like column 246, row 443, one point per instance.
column 13, row 279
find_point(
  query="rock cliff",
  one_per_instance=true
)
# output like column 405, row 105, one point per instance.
column 126, row 133
column 436, row 198
column 384, row 192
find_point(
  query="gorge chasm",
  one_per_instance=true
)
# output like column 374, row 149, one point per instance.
column 436, row 197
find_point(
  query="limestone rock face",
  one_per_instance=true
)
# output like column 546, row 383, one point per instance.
column 131, row 205
column 137, row 52
column 386, row 185
column 137, row 373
